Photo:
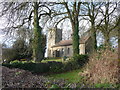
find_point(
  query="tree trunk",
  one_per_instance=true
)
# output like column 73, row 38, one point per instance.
column 93, row 36
column 119, row 46
column 107, row 41
column 75, row 37
column 37, row 45
column 119, row 42
column 73, row 16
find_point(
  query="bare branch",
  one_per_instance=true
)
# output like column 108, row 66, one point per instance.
column 61, row 20
column 69, row 14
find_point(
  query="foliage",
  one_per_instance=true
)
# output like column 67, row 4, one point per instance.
column 20, row 48
column 103, row 67
column 15, row 61
column 101, row 47
column 8, row 54
column 73, row 63
column 59, row 67
column 81, row 59
column 64, row 58
column 54, row 87
column 51, row 66
column 33, row 67
column 55, row 66
column 70, row 65
column 18, row 51
column 51, row 59
column 26, row 14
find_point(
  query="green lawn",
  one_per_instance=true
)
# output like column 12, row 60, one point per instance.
column 71, row 76
column 57, row 60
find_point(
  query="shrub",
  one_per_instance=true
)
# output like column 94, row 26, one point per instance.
column 104, row 69
column 50, row 66
column 50, row 58
column 8, row 54
column 70, row 65
column 41, row 68
column 55, row 66
column 64, row 58
column 33, row 67
column 81, row 59
column 28, row 66
column 23, row 59
column 14, row 62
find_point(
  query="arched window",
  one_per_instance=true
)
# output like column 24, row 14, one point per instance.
column 62, row 50
column 53, row 53
column 68, row 50
column 49, row 52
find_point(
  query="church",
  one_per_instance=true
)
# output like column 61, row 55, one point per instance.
column 60, row 48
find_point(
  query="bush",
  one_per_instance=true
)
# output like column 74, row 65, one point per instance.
column 51, row 66
column 70, row 65
column 41, row 68
column 50, row 58
column 33, row 67
column 8, row 54
column 104, row 69
column 55, row 66
column 14, row 62
column 81, row 59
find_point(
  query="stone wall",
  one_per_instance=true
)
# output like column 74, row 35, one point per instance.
column 54, row 36
column 63, row 51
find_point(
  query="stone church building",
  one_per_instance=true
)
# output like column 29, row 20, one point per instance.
column 60, row 48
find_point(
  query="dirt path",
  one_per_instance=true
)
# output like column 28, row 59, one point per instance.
column 17, row 78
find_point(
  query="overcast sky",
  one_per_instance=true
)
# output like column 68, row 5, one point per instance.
column 66, row 26
column 2, row 25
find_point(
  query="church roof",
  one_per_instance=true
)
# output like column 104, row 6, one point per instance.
column 83, row 40
column 63, row 43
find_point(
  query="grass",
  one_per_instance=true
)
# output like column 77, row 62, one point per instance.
column 57, row 60
column 107, row 85
column 71, row 77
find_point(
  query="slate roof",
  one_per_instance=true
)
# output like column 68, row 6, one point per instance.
column 83, row 40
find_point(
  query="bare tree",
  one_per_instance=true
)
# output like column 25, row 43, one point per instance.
column 119, row 39
column 108, row 16
column 26, row 13
column 71, row 11
column 92, row 9
column 118, row 20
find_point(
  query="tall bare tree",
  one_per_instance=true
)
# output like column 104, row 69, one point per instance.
column 92, row 9
column 24, row 13
column 118, row 38
column 118, row 10
column 108, row 16
column 71, row 11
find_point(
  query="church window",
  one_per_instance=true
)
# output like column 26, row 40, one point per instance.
column 62, row 50
column 68, row 50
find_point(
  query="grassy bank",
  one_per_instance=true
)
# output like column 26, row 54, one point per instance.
column 71, row 76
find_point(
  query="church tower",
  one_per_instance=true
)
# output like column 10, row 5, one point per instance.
column 54, row 36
